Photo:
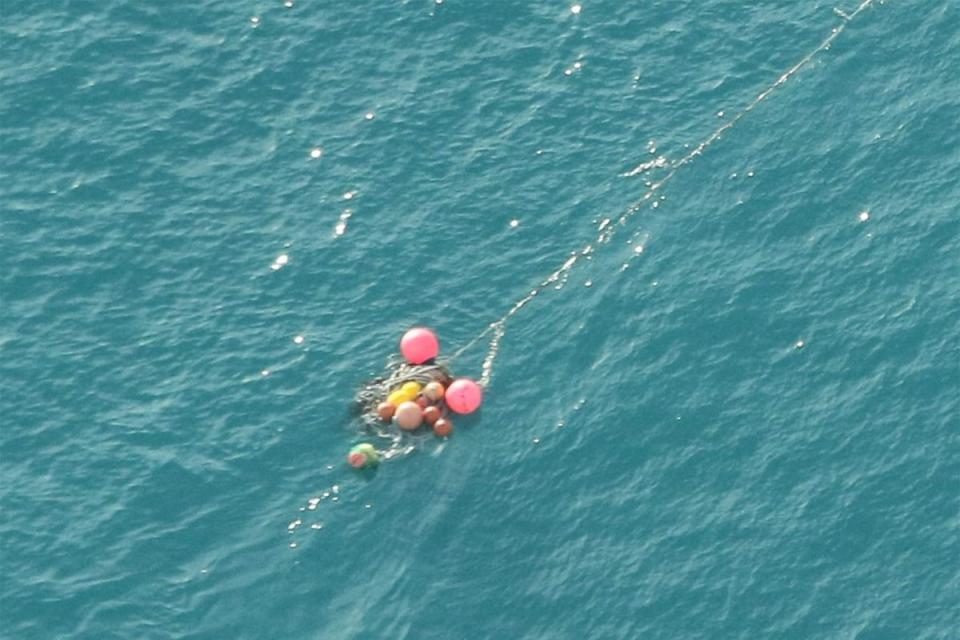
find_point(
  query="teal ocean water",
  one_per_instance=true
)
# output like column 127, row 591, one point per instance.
column 732, row 413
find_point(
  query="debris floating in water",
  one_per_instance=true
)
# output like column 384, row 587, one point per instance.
column 418, row 393
column 341, row 227
column 280, row 261
column 363, row 455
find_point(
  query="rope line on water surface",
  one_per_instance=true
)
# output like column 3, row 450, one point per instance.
column 608, row 227
column 397, row 372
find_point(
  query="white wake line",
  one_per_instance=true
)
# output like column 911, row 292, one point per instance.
column 607, row 230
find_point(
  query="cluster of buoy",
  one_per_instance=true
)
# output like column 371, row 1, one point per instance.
column 410, row 404
column 414, row 404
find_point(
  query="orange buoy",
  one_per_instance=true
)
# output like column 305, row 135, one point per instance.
column 385, row 410
column 434, row 391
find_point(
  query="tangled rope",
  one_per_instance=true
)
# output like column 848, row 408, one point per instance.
column 398, row 372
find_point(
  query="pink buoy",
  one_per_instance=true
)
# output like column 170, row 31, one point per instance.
column 463, row 395
column 419, row 345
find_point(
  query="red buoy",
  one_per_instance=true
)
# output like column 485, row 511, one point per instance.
column 357, row 460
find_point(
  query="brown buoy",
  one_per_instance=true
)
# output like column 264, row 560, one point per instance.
column 443, row 428
column 431, row 414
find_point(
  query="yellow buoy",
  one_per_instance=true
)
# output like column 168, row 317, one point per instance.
column 411, row 389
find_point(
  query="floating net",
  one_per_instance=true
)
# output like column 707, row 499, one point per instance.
column 398, row 372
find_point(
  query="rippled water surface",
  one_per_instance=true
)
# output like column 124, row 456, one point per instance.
column 733, row 415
